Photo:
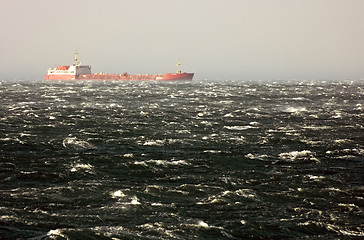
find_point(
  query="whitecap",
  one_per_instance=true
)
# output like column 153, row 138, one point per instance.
column 203, row 224
column 206, row 123
column 342, row 141
column 259, row 157
column 359, row 107
column 55, row 233
column 352, row 233
column 239, row 128
column 135, row 201
column 179, row 162
column 81, row 166
column 250, row 156
column 315, row 178
column 246, row 193
column 9, row 218
column 349, row 206
column 294, row 155
column 345, row 232
column 212, row 151
column 12, row 140
column 156, row 204
column 128, row 155
column 154, row 143
column 311, row 142
column 296, row 110
column 142, row 163
column 143, row 114
column 118, row 194
column 73, row 142
column 337, row 115
column 168, row 162
column 229, row 115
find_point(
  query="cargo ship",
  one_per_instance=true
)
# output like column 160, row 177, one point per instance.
column 83, row 72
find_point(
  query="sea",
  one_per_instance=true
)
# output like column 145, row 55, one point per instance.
column 182, row 160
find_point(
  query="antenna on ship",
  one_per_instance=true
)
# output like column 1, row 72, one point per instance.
column 75, row 61
column 179, row 66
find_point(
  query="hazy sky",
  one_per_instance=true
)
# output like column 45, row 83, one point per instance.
column 217, row 39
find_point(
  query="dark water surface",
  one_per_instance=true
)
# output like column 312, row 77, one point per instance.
column 196, row 160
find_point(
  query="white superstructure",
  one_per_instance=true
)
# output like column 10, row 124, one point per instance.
column 68, row 71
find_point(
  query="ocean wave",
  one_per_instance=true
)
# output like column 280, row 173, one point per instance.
column 295, row 155
column 75, row 143
column 76, row 167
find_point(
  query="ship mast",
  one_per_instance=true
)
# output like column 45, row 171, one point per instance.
column 75, row 60
column 179, row 66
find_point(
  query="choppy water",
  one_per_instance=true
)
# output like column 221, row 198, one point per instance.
column 199, row 160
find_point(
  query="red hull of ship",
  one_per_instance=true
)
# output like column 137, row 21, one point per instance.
column 123, row 77
column 60, row 77
column 177, row 76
